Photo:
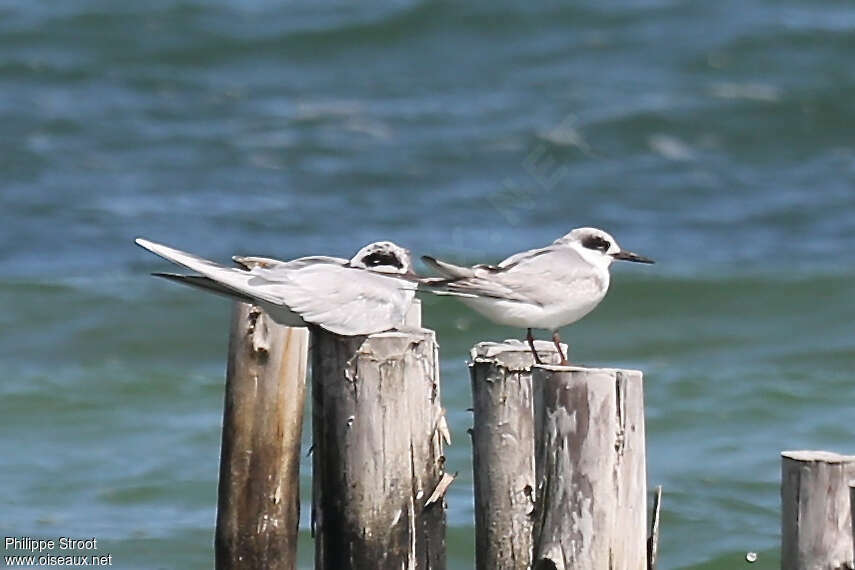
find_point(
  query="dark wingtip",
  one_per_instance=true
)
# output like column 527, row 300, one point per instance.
column 170, row 276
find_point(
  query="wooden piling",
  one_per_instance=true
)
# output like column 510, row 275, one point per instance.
column 852, row 513
column 258, row 507
column 377, row 452
column 503, row 451
column 591, row 475
column 816, row 514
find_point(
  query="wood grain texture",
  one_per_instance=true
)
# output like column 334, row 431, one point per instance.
column 377, row 454
column 816, row 514
column 258, row 509
column 591, row 476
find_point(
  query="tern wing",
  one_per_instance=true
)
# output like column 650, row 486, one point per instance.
column 474, row 287
column 475, row 281
column 536, row 277
column 341, row 299
column 245, row 283
column 482, row 280
column 322, row 290
column 451, row 271
column 550, row 275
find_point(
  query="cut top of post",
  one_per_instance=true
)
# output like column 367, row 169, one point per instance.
column 587, row 369
column 398, row 344
column 823, row 456
column 514, row 354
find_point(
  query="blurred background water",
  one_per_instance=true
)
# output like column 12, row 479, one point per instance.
column 715, row 137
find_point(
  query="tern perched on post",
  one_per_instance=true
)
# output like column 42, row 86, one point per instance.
column 369, row 293
column 544, row 288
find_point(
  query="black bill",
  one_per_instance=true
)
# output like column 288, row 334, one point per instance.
column 629, row 256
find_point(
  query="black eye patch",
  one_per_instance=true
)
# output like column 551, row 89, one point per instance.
column 382, row 258
column 596, row 242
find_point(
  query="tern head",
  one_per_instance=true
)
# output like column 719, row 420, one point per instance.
column 598, row 247
column 383, row 257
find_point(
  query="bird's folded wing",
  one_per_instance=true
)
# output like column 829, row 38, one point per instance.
column 341, row 299
column 549, row 275
column 537, row 277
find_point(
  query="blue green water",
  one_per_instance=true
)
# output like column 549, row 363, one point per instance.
column 714, row 137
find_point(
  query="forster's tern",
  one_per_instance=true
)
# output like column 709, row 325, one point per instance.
column 545, row 288
column 369, row 293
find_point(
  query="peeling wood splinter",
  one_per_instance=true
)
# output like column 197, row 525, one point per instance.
column 441, row 488
column 653, row 539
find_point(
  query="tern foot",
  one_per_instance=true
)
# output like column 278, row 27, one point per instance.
column 530, row 338
column 556, row 340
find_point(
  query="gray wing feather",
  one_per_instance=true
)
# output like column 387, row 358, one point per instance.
column 520, row 277
column 344, row 300
column 460, row 281
column 476, row 287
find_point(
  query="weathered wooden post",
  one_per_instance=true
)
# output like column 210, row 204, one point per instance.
column 377, row 454
column 816, row 514
column 503, row 451
column 258, row 508
column 591, row 473
column 852, row 514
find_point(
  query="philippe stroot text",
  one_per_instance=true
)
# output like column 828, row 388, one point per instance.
column 27, row 551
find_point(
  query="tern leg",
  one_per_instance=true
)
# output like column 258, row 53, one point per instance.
column 556, row 340
column 530, row 338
